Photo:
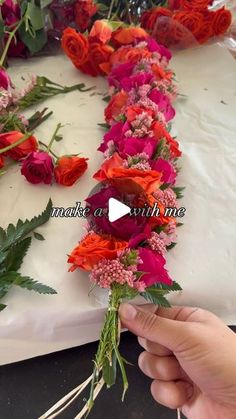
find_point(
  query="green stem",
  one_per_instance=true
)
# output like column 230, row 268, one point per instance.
column 58, row 127
column 11, row 36
column 20, row 141
column 110, row 9
column 52, row 152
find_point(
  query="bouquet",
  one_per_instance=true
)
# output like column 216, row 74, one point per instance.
column 128, row 256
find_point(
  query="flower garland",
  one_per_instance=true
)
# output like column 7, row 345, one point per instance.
column 128, row 256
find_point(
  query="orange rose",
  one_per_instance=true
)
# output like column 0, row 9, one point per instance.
column 84, row 10
column 221, row 21
column 126, row 36
column 98, row 59
column 99, row 55
column 128, row 180
column 75, row 46
column 149, row 18
column 133, row 111
column 1, row 162
column 190, row 20
column 115, row 105
column 160, row 73
column 194, row 4
column 20, row 151
column 92, row 249
column 129, row 54
column 69, row 169
column 160, row 132
column 101, row 32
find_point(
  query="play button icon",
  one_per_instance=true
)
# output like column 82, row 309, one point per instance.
column 116, row 210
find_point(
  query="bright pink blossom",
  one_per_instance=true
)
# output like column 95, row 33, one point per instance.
column 166, row 168
column 5, row 81
column 154, row 265
column 37, row 167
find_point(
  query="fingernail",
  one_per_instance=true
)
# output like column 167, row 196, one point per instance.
column 127, row 312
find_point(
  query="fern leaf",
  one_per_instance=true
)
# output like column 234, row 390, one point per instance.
column 32, row 285
column 16, row 254
column 2, row 306
column 14, row 234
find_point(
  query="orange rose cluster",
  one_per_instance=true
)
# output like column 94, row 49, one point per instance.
column 93, row 54
column 185, row 22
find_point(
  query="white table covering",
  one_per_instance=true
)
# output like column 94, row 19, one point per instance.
column 204, row 260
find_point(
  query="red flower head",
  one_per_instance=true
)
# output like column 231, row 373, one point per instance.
column 84, row 10
column 69, row 169
column 21, row 150
column 101, row 32
column 75, row 46
column 37, row 167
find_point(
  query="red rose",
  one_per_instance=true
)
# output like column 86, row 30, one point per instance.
column 1, row 162
column 149, row 18
column 75, row 46
column 98, row 58
column 20, row 151
column 192, row 21
column 126, row 36
column 69, row 169
column 221, row 21
column 37, row 167
column 192, row 5
column 115, row 105
column 84, row 10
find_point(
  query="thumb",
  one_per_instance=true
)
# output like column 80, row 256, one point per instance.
column 167, row 332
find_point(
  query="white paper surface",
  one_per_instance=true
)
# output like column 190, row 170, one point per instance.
column 203, row 262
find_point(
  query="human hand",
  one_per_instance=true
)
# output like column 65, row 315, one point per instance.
column 191, row 356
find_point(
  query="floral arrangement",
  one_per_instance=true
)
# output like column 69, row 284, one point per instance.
column 185, row 22
column 14, row 244
column 128, row 256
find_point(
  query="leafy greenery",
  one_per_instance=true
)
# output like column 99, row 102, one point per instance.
column 155, row 294
column 44, row 89
column 14, row 244
column 178, row 191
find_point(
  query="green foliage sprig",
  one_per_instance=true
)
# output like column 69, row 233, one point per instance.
column 14, row 244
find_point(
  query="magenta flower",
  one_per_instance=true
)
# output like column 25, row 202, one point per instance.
column 163, row 103
column 167, row 170
column 37, row 167
column 153, row 46
column 119, row 72
column 135, row 81
column 154, row 265
column 5, row 80
column 10, row 12
column 126, row 227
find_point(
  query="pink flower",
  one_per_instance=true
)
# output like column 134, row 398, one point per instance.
column 128, row 83
column 163, row 103
column 126, row 227
column 153, row 46
column 10, row 12
column 119, row 72
column 132, row 145
column 166, row 168
column 154, row 265
column 5, row 81
column 37, row 167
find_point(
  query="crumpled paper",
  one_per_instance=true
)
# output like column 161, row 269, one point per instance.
column 204, row 260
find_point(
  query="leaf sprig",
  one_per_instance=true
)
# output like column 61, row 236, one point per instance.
column 14, row 244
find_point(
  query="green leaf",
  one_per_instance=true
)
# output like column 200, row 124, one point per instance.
column 106, row 98
column 16, row 254
column 34, row 14
column 34, row 44
column 2, row 235
column 178, row 191
column 109, row 370
column 2, row 306
column 171, row 246
column 155, row 298
column 24, row 228
column 3, row 256
column 4, row 287
column 45, row 3
column 38, row 236
column 15, row 278
column 105, row 126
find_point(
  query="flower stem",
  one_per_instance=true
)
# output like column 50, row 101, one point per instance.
column 110, row 9
column 52, row 152
column 20, row 141
column 58, row 127
column 11, row 36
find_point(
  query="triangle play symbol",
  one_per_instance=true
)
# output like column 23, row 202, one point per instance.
column 116, row 210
